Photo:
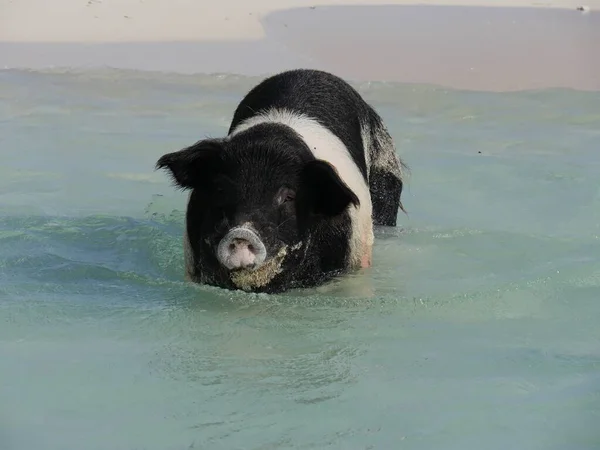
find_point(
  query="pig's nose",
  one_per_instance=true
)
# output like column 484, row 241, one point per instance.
column 241, row 248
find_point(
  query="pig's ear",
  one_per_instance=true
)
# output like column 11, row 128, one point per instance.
column 322, row 191
column 193, row 166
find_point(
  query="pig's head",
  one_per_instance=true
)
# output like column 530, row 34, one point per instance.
column 256, row 199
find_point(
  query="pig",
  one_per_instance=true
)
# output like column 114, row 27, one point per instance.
column 289, row 197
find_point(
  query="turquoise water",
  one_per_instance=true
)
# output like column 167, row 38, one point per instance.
column 477, row 327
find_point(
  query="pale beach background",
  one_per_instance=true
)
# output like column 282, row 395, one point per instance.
column 500, row 45
column 477, row 326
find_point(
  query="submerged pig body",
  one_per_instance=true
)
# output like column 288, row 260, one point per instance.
column 289, row 197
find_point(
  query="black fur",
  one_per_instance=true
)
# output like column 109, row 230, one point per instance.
column 320, row 95
column 385, row 206
column 385, row 182
column 268, row 176
column 235, row 181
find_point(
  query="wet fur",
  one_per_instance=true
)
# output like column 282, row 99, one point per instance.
column 278, row 133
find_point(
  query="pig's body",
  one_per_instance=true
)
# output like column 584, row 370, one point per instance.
column 289, row 198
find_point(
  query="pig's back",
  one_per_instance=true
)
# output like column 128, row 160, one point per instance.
column 317, row 95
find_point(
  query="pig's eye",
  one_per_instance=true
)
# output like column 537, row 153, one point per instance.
column 289, row 197
column 285, row 195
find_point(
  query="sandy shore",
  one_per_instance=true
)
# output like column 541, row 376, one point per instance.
column 180, row 20
column 503, row 45
column 464, row 47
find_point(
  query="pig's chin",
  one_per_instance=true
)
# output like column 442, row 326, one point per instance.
column 257, row 277
column 254, row 278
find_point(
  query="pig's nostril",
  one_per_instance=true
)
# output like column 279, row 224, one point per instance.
column 241, row 248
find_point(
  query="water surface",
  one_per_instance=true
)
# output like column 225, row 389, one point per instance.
column 477, row 326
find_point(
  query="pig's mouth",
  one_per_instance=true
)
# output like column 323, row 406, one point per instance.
column 249, row 278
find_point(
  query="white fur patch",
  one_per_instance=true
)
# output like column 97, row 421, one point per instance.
column 387, row 159
column 328, row 147
column 365, row 137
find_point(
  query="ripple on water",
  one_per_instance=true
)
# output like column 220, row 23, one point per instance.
column 475, row 328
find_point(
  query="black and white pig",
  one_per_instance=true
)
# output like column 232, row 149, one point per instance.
column 289, row 197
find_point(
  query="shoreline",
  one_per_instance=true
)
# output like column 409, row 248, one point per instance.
column 103, row 21
column 487, row 48
column 463, row 47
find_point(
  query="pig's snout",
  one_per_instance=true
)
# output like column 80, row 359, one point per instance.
column 241, row 248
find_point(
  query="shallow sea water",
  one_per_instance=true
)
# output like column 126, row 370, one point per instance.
column 476, row 328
